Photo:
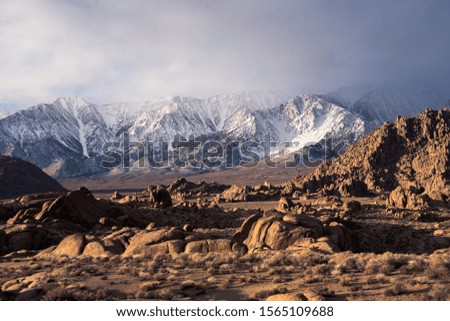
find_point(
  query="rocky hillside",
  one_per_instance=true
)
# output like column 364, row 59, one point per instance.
column 410, row 156
column 18, row 177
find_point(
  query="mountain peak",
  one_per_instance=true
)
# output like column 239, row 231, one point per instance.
column 71, row 101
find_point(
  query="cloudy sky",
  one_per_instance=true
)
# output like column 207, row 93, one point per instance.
column 107, row 51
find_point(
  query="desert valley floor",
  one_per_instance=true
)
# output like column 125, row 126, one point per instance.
column 302, row 248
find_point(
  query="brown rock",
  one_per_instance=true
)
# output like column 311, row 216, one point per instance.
column 287, row 297
column 174, row 246
column 207, row 246
column 276, row 234
column 245, row 228
column 234, row 194
column 324, row 247
column 284, row 205
column 79, row 206
column 95, row 248
column 72, row 245
column 409, row 151
column 142, row 240
column 407, row 199
column 161, row 196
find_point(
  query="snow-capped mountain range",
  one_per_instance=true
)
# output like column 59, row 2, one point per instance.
column 65, row 137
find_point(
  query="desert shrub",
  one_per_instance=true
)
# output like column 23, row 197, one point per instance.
column 321, row 269
column 58, row 294
column 249, row 258
column 414, row 265
column 312, row 279
column 345, row 262
column 436, row 272
column 439, row 293
column 212, row 271
column 259, row 268
column 438, row 266
column 315, row 259
column 322, row 290
column 397, row 288
column 345, row 281
column 143, row 275
column 260, row 295
column 226, row 269
column 386, row 263
column 376, row 279
column 64, row 294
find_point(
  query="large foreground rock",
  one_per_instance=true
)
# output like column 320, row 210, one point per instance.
column 291, row 231
column 210, row 245
column 72, row 245
column 273, row 232
column 148, row 242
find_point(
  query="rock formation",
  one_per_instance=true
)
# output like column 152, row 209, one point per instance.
column 19, row 177
column 413, row 153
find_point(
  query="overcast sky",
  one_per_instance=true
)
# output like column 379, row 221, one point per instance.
column 107, row 51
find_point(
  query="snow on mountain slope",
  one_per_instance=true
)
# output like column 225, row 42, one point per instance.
column 6, row 113
column 66, row 137
column 61, row 136
column 184, row 115
column 304, row 120
column 68, row 127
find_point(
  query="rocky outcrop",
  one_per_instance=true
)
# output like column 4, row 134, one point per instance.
column 147, row 243
column 409, row 152
column 161, row 196
column 234, row 194
column 407, row 199
column 72, row 245
column 80, row 207
column 209, row 245
column 19, row 177
column 284, row 205
column 277, row 231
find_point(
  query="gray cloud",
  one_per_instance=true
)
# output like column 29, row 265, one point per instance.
column 135, row 50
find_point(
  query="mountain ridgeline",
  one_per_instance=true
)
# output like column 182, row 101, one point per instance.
column 65, row 138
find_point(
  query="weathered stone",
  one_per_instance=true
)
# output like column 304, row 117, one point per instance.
column 25, row 237
column 234, row 194
column 72, row 245
column 284, row 205
column 173, row 246
column 407, row 199
column 107, row 221
column 161, row 196
column 410, row 151
column 95, row 248
column 324, row 247
column 207, row 246
column 144, row 239
column 30, row 294
column 277, row 234
column 245, row 228
column 79, row 206
column 287, row 297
